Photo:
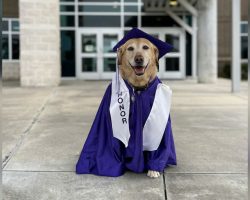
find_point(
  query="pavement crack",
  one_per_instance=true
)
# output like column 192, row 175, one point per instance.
column 206, row 173
column 28, row 129
column 164, row 185
column 39, row 171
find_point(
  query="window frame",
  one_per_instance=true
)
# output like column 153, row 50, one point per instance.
column 9, row 34
column 243, row 60
column 122, row 14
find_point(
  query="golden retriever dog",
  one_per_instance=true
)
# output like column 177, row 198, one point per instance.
column 132, row 128
column 138, row 62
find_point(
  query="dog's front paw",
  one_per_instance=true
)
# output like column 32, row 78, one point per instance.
column 153, row 174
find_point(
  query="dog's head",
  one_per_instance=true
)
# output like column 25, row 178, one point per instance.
column 138, row 61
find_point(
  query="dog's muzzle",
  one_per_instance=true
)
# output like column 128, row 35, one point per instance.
column 139, row 69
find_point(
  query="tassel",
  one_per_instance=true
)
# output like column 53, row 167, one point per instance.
column 117, row 75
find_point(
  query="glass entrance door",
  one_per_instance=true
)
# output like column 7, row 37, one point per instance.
column 172, row 65
column 95, row 58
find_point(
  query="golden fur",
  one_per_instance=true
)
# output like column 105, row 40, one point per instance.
column 127, row 55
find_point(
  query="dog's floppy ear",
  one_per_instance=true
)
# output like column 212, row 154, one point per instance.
column 119, row 55
column 156, row 51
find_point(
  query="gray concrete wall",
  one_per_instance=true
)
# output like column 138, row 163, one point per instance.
column 11, row 70
column 207, row 41
column 40, row 42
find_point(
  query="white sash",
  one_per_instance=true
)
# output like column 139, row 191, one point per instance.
column 119, row 110
column 155, row 125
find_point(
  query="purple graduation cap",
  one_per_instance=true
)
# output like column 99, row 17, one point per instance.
column 163, row 47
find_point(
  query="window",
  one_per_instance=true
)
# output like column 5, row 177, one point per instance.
column 101, row 1
column 109, row 64
column 109, row 40
column 99, row 8
column 130, row 21
column 131, row 8
column 5, row 46
column 100, row 13
column 89, row 65
column 133, row 1
column 157, row 21
column 67, row 8
column 68, row 53
column 173, row 40
column 79, row 17
column 244, row 41
column 172, row 64
column 67, row 21
column 99, row 21
column 10, row 39
column 88, row 43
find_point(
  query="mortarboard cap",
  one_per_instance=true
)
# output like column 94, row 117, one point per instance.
column 162, row 47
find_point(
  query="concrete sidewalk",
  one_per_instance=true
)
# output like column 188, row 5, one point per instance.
column 44, row 130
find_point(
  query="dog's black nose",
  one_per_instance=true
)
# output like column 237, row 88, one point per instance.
column 138, row 59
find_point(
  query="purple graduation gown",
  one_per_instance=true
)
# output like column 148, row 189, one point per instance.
column 104, row 155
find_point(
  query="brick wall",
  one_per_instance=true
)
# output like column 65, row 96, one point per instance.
column 40, row 39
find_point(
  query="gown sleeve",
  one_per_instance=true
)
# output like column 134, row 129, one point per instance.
column 98, row 155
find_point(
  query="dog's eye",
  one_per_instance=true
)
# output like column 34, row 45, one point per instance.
column 130, row 48
column 145, row 47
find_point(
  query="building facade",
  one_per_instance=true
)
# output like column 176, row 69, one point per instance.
column 10, row 40
column 225, row 35
column 74, row 38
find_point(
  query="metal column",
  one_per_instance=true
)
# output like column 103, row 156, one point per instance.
column 236, row 60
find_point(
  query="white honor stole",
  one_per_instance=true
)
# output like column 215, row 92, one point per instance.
column 156, row 122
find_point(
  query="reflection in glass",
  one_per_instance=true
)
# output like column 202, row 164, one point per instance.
column 109, row 41
column 130, row 9
column 172, row 64
column 89, row 43
column 68, row 53
column 5, row 25
column 244, row 28
column 67, row 8
column 109, row 64
column 67, row 20
column 130, row 21
column 99, row 21
column 5, row 47
column 15, row 46
column 189, row 20
column 244, row 47
column 134, row 1
column 99, row 1
column 15, row 26
column 174, row 41
column 89, row 65
column 158, row 21
column 87, row 8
